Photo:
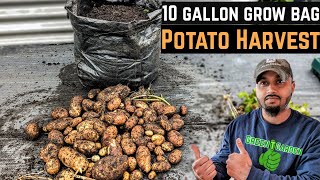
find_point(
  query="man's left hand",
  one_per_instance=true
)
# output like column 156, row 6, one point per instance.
column 239, row 164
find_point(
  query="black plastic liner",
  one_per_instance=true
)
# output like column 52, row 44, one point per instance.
column 110, row 52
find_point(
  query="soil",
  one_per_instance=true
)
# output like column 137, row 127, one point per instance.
column 120, row 13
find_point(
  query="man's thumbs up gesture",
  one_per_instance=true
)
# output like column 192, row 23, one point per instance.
column 239, row 165
column 203, row 167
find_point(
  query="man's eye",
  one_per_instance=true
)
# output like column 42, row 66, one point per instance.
column 263, row 83
column 280, row 82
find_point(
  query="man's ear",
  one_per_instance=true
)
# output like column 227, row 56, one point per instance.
column 293, row 85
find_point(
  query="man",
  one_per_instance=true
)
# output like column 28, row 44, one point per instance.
column 272, row 142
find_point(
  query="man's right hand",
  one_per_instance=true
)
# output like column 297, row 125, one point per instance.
column 203, row 167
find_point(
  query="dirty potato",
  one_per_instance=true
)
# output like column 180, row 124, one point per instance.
column 167, row 146
column 115, row 118
column 151, row 146
column 75, row 121
column 99, row 126
column 158, row 107
column 58, row 124
column 52, row 166
column 137, row 132
column 175, row 156
column 152, row 175
column 59, row 112
column 175, row 138
column 128, row 146
column 110, row 167
column 183, row 110
column 132, row 162
column 73, row 159
column 32, row 130
column 161, row 166
column 139, row 112
column 126, row 176
column 67, row 130
column 141, row 104
column 131, row 122
column 86, row 124
column 177, row 123
column 87, row 104
column 149, row 115
column 66, row 174
column 50, row 151
column 165, row 123
column 99, row 107
column 88, row 134
column 143, row 157
column 75, row 106
column 71, row 137
column 113, row 148
column 85, row 147
column 90, row 115
column 110, row 133
column 136, row 175
column 93, row 93
column 158, row 151
column 169, row 110
column 161, row 158
column 155, row 128
column 56, row 137
column 114, row 104
column 157, row 139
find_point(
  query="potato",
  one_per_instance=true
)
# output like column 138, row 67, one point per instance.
column 149, row 115
column 143, row 157
column 59, row 112
column 119, row 138
column 152, row 175
column 165, row 123
column 90, row 115
column 88, row 134
column 126, row 135
column 115, row 118
column 157, row 139
column 132, row 162
column 93, row 93
column 161, row 166
column 158, row 107
column 149, row 133
column 141, row 121
column 183, row 110
column 175, row 156
column 139, row 112
column 99, row 126
column 151, row 146
column 50, row 151
column 131, row 122
column 161, row 158
column 113, row 148
column 176, row 116
column 99, row 107
column 58, row 124
column 167, row 146
column 158, row 151
column 140, row 104
column 136, row 175
column 126, row 176
column 71, row 137
column 52, row 166
column 95, row 158
column 66, row 174
column 155, row 128
column 67, row 130
column 32, row 130
column 175, row 138
column 103, row 151
column 75, row 121
column 75, row 106
column 169, row 110
column 56, row 137
column 73, row 159
column 87, row 104
column 177, row 123
column 85, row 147
column 88, row 171
column 128, row 146
column 86, row 124
column 111, row 92
column 110, row 167
column 110, row 133
column 114, row 104
column 137, row 132
column 130, row 108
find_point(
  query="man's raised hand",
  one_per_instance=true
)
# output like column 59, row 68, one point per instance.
column 203, row 167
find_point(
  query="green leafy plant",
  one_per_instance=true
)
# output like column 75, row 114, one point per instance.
column 250, row 102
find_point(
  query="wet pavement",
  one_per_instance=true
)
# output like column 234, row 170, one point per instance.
column 34, row 79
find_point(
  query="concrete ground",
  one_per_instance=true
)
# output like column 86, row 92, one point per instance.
column 34, row 79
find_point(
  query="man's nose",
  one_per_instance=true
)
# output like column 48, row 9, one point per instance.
column 271, row 88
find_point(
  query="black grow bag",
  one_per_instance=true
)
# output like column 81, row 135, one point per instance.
column 110, row 52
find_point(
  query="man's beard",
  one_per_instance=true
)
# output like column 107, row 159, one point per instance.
column 273, row 111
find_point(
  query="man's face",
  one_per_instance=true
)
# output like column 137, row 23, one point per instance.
column 272, row 93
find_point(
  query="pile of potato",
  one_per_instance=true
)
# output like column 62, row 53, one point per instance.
column 111, row 135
